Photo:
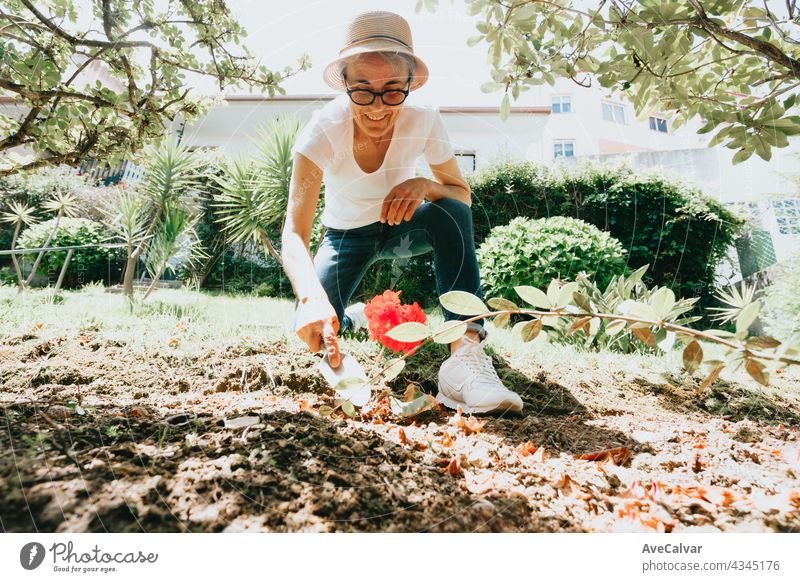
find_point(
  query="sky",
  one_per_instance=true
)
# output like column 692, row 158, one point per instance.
column 280, row 30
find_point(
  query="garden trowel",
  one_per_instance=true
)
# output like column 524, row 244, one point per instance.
column 357, row 390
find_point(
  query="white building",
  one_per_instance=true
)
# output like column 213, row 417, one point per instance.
column 568, row 122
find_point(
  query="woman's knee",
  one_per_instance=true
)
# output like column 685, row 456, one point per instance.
column 457, row 216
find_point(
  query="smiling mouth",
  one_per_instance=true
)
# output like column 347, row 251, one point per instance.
column 378, row 118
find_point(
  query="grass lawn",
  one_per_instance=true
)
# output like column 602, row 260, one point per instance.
column 199, row 412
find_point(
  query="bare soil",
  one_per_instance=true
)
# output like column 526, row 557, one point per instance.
column 96, row 437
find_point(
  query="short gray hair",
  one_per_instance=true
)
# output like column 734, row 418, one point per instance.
column 395, row 58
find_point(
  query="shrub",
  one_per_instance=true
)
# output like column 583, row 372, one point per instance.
column 781, row 313
column 239, row 274
column 87, row 265
column 534, row 252
column 681, row 233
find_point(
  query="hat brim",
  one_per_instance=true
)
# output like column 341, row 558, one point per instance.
column 332, row 74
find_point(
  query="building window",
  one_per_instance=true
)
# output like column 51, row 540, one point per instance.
column 562, row 104
column 658, row 124
column 564, row 149
column 613, row 112
column 466, row 162
column 787, row 215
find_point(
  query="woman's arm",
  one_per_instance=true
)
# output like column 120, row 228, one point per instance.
column 296, row 237
column 405, row 198
column 449, row 183
column 315, row 319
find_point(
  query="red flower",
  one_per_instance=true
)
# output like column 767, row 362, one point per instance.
column 385, row 312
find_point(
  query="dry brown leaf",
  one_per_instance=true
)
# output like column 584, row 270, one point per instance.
column 454, row 466
column 304, row 405
column 469, row 425
column 403, row 437
column 446, row 440
column 619, row 455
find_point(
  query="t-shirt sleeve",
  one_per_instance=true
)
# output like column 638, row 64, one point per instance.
column 438, row 148
column 313, row 142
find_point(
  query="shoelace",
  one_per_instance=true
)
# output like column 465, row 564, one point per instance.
column 479, row 363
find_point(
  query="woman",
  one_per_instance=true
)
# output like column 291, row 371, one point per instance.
column 365, row 144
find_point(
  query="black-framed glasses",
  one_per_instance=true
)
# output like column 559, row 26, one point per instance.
column 392, row 97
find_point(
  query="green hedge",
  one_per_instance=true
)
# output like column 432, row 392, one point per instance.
column 87, row 265
column 681, row 233
column 534, row 252
column 781, row 313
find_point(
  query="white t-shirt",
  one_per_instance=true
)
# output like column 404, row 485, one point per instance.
column 353, row 197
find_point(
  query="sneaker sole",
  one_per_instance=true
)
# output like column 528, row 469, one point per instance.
column 455, row 404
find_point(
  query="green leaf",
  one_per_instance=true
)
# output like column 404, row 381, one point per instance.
column 533, row 296
column 663, row 301
column 394, row 368
column 528, row 330
column 410, row 331
column 615, row 327
column 449, row 332
column 505, row 107
column 325, row 410
column 349, row 409
column 501, row 320
column 746, row 318
column 565, row 294
column 415, row 406
column 553, row 291
column 501, row 304
column 354, row 390
column 463, row 303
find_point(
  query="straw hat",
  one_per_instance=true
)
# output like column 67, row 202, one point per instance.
column 376, row 31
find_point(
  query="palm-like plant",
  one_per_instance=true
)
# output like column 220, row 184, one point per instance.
column 18, row 215
column 254, row 191
column 174, row 235
column 170, row 173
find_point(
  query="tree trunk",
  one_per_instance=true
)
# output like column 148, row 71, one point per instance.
column 14, row 260
column 44, row 249
column 63, row 270
column 154, row 283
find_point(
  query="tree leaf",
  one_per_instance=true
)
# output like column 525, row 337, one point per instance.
column 449, row 332
column 692, row 356
column 746, row 318
column 645, row 335
column 615, row 326
column 349, row 409
column 757, row 371
column 501, row 320
column 501, row 304
column 533, row 296
column 663, row 301
column 410, row 331
column 565, row 294
column 528, row 330
column 354, row 390
column 413, row 407
column 396, row 366
column 463, row 303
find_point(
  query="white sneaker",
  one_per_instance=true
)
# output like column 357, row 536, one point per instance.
column 357, row 316
column 468, row 379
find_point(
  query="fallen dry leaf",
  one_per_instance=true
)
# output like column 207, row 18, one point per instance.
column 619, row 455
column 403, row 437
column 468, row 425
column 454, row 466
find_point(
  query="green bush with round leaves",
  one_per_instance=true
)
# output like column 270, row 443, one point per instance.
column 86, row 265
column 534, row 252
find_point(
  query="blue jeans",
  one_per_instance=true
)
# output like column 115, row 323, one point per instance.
column 444, row 226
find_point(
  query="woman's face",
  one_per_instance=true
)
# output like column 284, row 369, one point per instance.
column 374, row 72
